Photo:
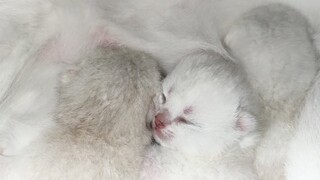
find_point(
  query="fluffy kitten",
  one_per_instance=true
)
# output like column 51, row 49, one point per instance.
column 304, row 151
column 203, row 122
column 99, row 130
column 273, row 44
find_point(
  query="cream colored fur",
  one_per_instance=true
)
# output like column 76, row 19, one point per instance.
column 99, row 130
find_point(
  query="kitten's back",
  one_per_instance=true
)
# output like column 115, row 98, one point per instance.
column 100, row 131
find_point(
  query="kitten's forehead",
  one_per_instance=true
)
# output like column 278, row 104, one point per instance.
column 201, row 72
column 182, row 81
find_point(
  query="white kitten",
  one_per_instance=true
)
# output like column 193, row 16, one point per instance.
column 304, row 150
column 204, row 122
column 273, row 44
column 100, row 130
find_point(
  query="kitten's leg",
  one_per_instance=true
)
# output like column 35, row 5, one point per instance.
column 272, row 43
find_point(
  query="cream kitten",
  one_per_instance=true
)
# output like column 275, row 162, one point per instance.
column 203, row 122
column 99, row 130
column 273, row 44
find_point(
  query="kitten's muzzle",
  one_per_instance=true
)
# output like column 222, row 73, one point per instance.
column 160, row 121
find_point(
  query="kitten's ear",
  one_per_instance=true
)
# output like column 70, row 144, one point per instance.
column 245, row 123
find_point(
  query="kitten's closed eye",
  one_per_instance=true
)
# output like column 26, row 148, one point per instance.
column 183, row 121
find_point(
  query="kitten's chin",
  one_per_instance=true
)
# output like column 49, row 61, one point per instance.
column 160, row 137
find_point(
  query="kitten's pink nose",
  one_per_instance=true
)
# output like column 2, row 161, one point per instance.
column 160, row 120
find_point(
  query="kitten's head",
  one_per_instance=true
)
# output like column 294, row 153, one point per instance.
column 204, row 106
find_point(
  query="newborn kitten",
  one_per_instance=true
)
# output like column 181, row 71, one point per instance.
column 99, row 130
column 273, row 44
column 203, row 122
column 304, row 151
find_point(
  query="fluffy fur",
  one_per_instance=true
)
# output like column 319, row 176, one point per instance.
column 204, row 122
column 304, row 150
column 39, row 40
column 171, row 30
column 99, row 130
column 273, row 44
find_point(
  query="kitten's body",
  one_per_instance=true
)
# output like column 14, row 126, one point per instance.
column 99, row 130
column 203, row 123
column 273, row 44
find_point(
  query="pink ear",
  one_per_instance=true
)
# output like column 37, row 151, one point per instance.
column 245, row 122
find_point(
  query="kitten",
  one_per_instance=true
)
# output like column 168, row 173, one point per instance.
column 99, row 130
column 273, row 44
column 204, row 122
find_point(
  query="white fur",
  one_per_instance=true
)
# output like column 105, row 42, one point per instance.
column 39, row 39
column 304, row 151
column 173, row 29
column 219, row 134
column 99, row 130
column 273, row 44
column 170, row 30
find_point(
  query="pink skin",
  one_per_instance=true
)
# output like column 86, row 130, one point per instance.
column 162, row 120
column 188, row 110
column 54, row 49
column 102, row 37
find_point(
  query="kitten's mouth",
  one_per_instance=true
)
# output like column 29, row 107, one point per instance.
column 162, row 135
column 158, row 133
column 159, row 128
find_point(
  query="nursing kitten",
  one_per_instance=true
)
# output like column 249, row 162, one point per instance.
column 204, row 122
column 99, row 130
column 273, row 44
column 303, row 160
